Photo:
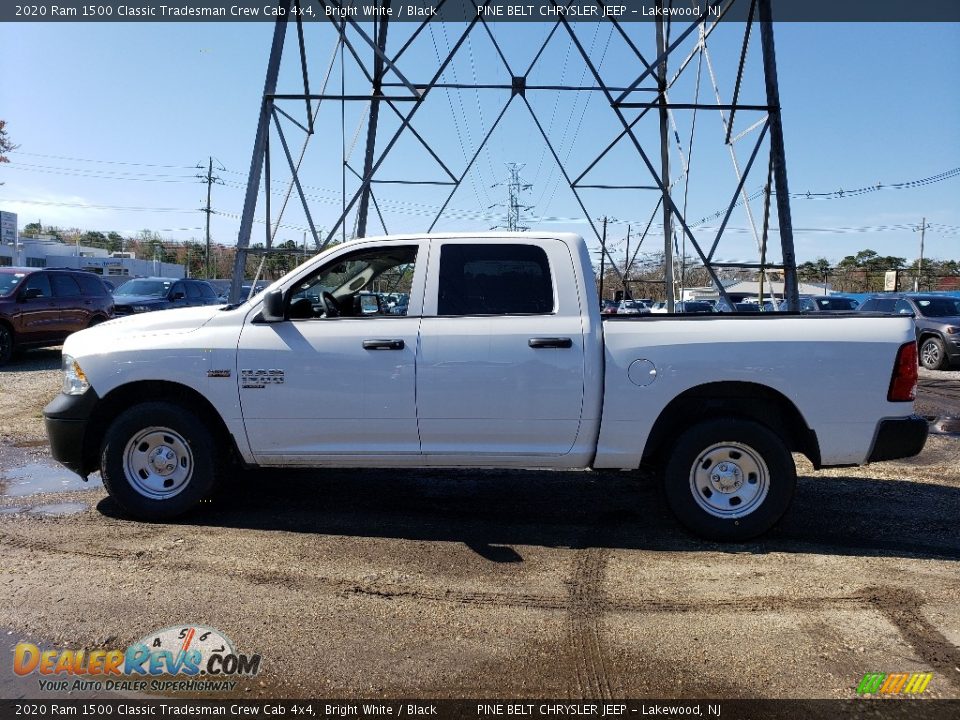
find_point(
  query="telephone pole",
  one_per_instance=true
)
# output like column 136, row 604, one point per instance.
column 923, row 230
column 209, row 179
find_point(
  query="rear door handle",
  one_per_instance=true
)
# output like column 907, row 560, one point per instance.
column 383, row 345
column 550, row 342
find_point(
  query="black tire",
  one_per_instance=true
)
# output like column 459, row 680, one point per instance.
column 729, row 479
column 7, row 344
column 191, row 471
column 95, row 321
column 933, row 354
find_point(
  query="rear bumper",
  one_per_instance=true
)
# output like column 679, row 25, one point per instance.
column 898, row 438
column 67, row 419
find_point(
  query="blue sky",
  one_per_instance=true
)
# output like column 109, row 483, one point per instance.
column 112, row 118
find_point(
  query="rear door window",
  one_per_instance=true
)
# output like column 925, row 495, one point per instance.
column 91, row 286
column 64, row 285
column 494, row 279
column 193, row 291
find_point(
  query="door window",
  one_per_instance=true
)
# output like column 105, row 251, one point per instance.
column 356, row 285
column 494, row 279
column 64, row 285
column 193, row 291
column 40, row 282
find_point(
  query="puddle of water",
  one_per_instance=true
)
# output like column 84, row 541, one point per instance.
column 37, row 478
column 945, row 425
column 59, row 509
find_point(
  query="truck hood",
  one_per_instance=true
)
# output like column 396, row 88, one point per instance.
column 124, row 331
column 179, row 320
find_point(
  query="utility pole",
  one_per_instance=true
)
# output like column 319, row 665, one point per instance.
column 603, row 255
column 626, row 270
column 209, row 179
column 665, row 162
column 923, row 230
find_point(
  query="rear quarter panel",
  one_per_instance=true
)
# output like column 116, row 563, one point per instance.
column 836, row 369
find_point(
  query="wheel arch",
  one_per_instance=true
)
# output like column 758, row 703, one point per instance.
column 751, row 401
column 130, row 394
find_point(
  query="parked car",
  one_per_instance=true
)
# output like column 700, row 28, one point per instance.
column 693, row 306
column 937, row 320
column 40, row 307
column 503, row 361
column 609, row 307
column 160, row 293
column 632, row 307
column 827, row 303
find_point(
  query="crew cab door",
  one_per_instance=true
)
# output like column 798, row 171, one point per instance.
column 500, row 370
column 331, row 382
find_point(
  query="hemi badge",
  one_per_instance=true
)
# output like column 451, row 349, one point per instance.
column 218, row 373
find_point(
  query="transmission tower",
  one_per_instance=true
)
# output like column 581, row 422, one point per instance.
column 515, row 186
column 667, row 70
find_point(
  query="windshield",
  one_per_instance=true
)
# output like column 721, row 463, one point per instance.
column 8, row 281
column 148, row 288
column 938, row 307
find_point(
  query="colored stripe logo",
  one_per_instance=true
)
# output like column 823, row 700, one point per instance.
column 894, row 683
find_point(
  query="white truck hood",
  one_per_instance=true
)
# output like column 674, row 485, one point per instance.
column 120, row 331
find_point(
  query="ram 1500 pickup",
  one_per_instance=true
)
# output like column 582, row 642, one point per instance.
column 500, row 359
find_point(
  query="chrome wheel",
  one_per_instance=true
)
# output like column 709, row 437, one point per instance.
column 729, row 480
column 158, row 463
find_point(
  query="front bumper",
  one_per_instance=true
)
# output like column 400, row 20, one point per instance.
column 898, row 438
column 67, row 419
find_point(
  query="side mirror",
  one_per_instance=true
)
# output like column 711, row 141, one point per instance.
column 31, row 293
column 273, row 306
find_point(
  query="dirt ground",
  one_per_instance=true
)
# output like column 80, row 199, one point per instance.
column 447, row 584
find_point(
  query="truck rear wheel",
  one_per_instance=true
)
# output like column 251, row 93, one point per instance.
column 729, row 479
column 157, row 461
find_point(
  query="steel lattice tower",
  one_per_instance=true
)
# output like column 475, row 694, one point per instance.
column 389, row 85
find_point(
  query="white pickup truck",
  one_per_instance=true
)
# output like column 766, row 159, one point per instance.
column 500, row 358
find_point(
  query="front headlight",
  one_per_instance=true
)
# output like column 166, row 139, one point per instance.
column 74, row 381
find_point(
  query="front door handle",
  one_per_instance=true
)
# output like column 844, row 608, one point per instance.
column 550, row 342
column 383, row 345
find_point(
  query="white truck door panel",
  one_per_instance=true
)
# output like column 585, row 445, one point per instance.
column 319, row 384
column 499, row 384
column 337, row 397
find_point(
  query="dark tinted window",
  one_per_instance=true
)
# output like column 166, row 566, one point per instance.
column 177, row 288
column 64, row 285
column 38, row 280
column 834, row 303
column 495, row 279
column 193, row 291
column 938, row 307
column 207, row 292
column 903, row 308
column 879, row 305
column 90, row 285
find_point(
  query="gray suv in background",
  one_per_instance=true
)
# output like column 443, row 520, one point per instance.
column 937, row 320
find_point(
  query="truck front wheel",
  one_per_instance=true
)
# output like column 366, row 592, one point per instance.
column 729, row 479
column 157, row 461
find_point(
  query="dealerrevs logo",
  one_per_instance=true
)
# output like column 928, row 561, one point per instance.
column 181, row 650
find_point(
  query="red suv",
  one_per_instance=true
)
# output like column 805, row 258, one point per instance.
column 41, row 306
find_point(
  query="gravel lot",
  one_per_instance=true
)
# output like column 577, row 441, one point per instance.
column 494, row 584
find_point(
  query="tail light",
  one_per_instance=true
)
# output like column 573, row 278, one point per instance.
column 903, row 384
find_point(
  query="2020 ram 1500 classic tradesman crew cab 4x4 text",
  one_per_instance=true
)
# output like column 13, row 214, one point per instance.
column 501, row 359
